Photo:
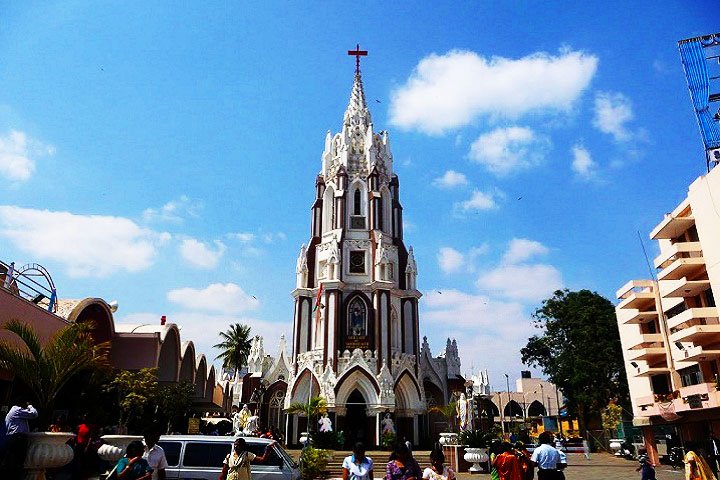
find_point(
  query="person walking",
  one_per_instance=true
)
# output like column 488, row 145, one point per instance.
column 437, row 469
column 508, row 464
column 548, row 459
column 527, row 466
column 645, row 467
column 237, row 464
column 133, row 466
column 494, row 450
column 402, row 465
column 357, row 466
column 155, row 455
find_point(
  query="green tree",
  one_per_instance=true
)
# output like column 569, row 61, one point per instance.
column 579, row 350
column 316, row 406
column 174, row 400
column 235, row 346
column 611, row 417
column 135, row 391
column 45, row 369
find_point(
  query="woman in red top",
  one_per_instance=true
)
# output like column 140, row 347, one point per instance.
column 508, row 465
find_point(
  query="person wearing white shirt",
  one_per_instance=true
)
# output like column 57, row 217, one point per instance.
column 155, row 455
column 357, row 466
column 549, row 460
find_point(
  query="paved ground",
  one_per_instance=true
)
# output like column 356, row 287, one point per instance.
column 602, row 466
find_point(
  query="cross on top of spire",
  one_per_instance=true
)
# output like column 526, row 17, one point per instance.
column 357, row 53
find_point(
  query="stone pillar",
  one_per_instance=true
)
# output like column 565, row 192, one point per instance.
column 650, row 445
column 416, row 430
column 378, row 432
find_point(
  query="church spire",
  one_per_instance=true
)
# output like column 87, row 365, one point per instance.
column 357, row 112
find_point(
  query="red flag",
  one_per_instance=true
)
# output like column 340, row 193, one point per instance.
column 318, row 297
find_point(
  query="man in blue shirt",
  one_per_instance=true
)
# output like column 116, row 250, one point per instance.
column 549, row 460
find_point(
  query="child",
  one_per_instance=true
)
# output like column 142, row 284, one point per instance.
column 646, row 468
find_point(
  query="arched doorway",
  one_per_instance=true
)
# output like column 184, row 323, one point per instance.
column 356, row 420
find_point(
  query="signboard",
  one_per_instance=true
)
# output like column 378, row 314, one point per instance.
column 352, row 342
column 193, row 426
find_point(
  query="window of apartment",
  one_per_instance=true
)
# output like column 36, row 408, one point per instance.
column 690, row 375
column 357, row 261
column 676, row 310
column 709, row 298
column 660, row 384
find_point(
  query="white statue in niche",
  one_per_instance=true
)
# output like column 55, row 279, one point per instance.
column 463, row 412
column 325, row 423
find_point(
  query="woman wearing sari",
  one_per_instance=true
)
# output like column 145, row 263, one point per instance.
column 696, row 468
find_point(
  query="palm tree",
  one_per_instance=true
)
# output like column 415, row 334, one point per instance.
column 45, row 369
column 448, row 411
column 316, row 406
column 235, row 346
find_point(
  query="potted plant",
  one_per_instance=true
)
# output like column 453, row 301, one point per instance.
column 448, row 411
column 477, row 443
column 312, row 409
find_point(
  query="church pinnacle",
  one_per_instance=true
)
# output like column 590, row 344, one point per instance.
column 357, row 112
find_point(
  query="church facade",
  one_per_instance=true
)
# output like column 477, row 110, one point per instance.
column 356, row 339
column 356, row 331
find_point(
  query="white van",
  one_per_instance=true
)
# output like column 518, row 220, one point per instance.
column 200, row 457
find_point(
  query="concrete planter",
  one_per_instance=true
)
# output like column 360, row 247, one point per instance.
column 476, row 456
column 114, row 446
column 448, row 439
column 46, row 450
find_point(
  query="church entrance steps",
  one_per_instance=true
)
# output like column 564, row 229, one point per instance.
column 379, row 458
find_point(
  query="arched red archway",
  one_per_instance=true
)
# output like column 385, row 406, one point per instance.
column 98, row 312
column 272, row 408
column 169, row 356
column 187, row 363
column 200, row 376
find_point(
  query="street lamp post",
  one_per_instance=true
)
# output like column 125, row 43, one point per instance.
column 507, row 384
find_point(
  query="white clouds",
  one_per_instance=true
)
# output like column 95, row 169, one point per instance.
column 217, row 297
column 506, row 149
column 451, row 90
column 522, row 249
column 87, row 245
column 450, row 179
column 201, row 254
column 583, row 164
column 244, row 237
column 501, row 327
column 612, row 111
column 450, row 260
column 16, row 150
column 478, row 201
column 521, row 282
column 174, row 211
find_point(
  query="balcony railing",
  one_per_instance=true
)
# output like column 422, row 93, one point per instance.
column 701, row 315
column 23, row 282
column 679, row 249
column 682, row 267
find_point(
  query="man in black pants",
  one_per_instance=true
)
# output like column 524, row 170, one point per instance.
column 548, row 459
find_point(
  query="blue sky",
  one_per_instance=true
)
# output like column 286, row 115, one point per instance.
column 165, row 156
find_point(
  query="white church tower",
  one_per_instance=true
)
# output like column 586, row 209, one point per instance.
column 355, row 333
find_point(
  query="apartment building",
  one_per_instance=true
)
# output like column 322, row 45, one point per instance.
column 669, row 326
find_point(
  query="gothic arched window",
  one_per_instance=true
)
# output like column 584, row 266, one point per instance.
column 357, row 318
column 357, row 208
column 275, row 409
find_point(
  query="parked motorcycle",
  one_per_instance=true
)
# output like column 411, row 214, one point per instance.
column 676, row 457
